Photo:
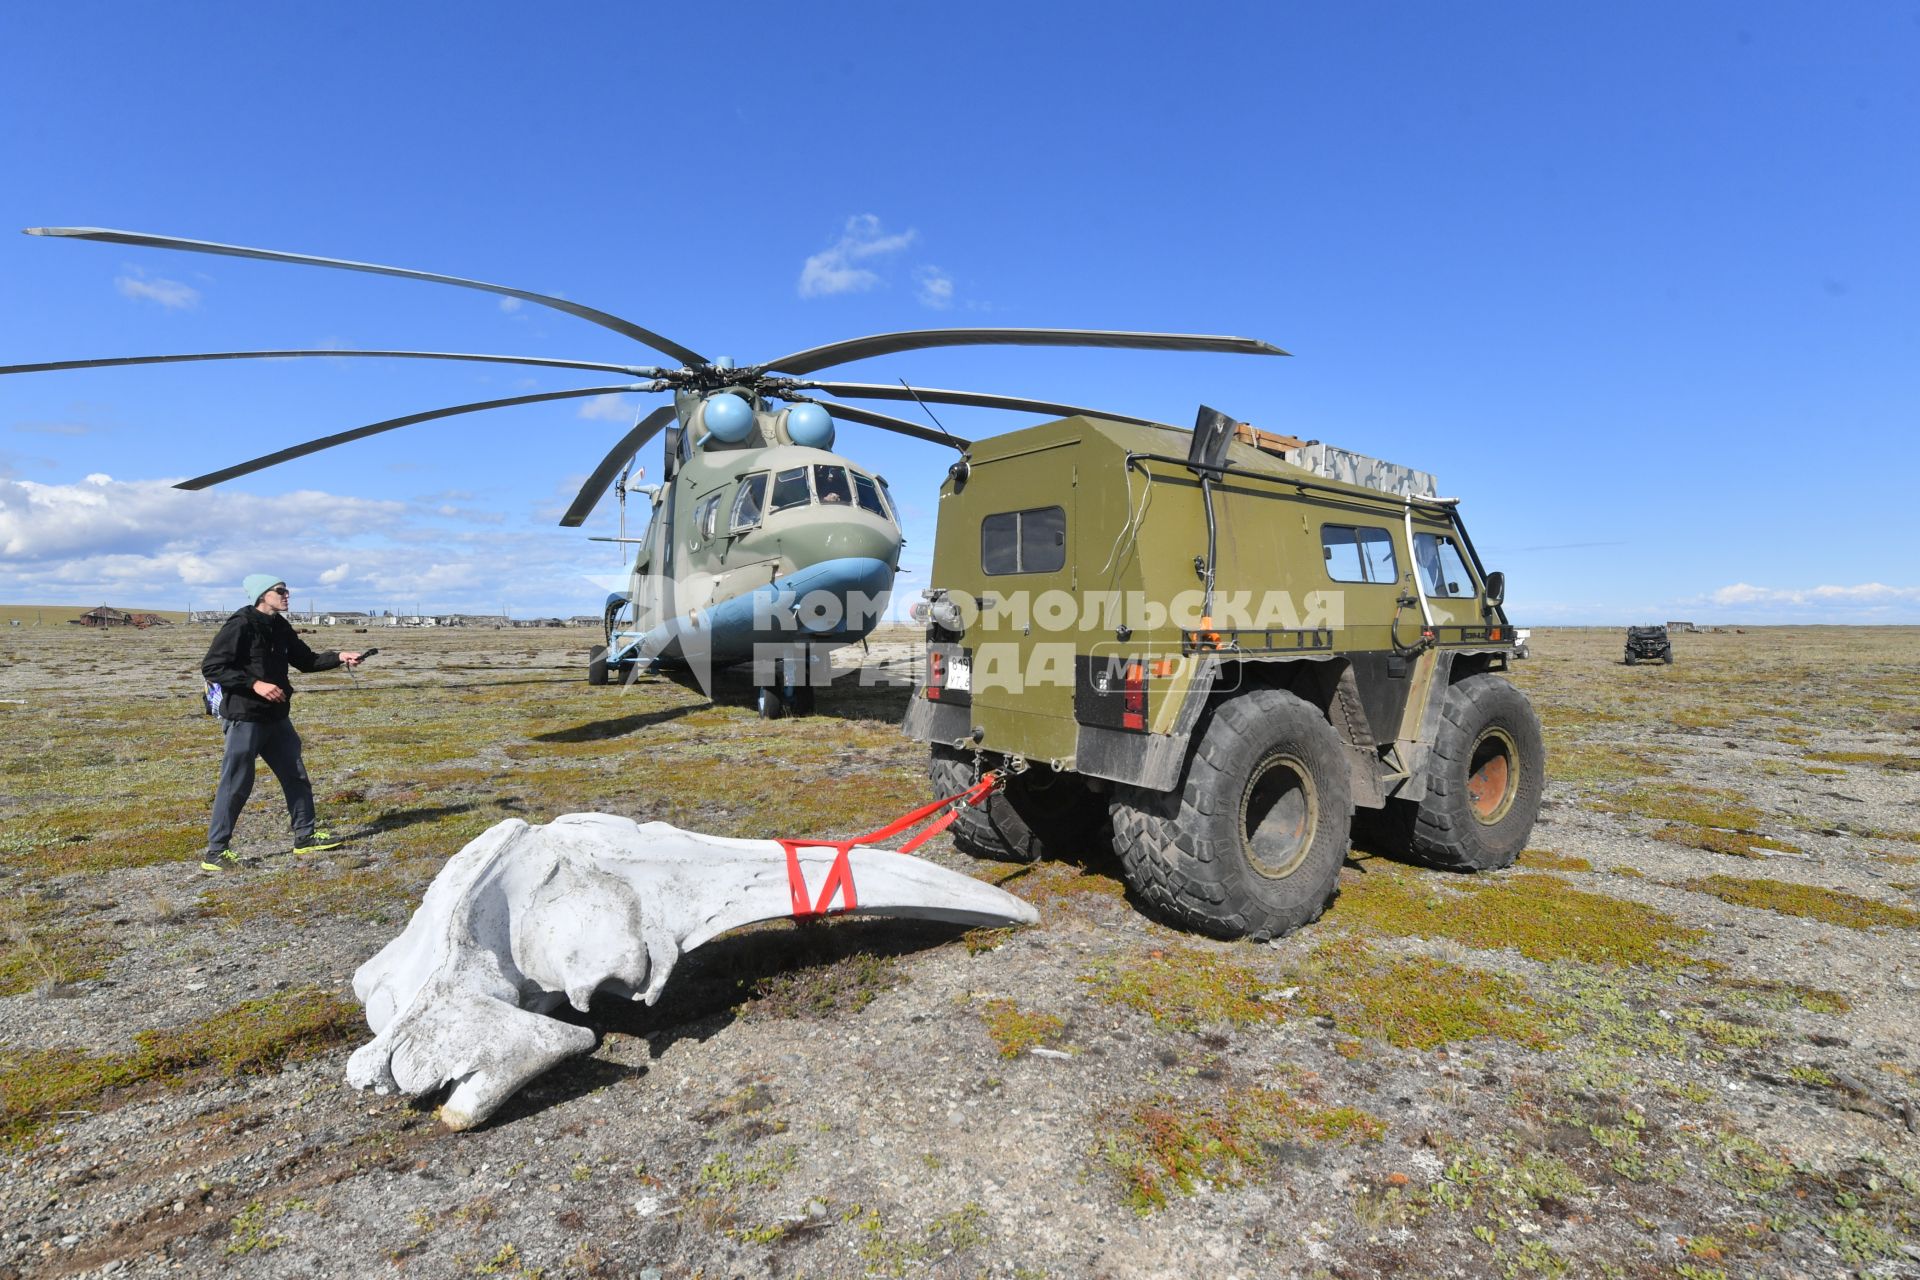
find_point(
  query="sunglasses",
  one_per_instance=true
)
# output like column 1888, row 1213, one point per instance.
column 279, row 591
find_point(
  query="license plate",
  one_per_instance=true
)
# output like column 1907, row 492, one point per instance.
column 959, row 673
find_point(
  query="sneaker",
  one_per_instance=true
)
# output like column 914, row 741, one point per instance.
column 220, row 860
column 318, row 842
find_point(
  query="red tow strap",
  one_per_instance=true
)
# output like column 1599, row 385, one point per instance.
column 840, row 874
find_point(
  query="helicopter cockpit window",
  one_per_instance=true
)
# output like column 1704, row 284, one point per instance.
column 868, row 495
column 748, row 502
column 1441, row 567
column 790, row 489
column 1358, row 554
column 1024, row 541
column 830, row 484
column 705, row 516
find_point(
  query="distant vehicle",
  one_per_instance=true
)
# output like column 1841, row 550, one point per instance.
column 1236, row 647
column 1648, row 644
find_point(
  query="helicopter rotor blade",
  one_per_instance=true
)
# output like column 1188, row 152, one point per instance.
column 848, row 413
column 977, row 399
column 617, row 457
column 391, row 424
column 603, row 319
column 917, row 339
column 112, row 362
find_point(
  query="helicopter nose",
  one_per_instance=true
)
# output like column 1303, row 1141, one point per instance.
column 863, row 542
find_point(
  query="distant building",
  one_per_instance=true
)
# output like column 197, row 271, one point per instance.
column 586, row 620
column 103, row 616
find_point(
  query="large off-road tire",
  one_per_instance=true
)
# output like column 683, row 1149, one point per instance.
column 1484, row 781
column 1038, row 812
column 597, row 665
column 1251, row 844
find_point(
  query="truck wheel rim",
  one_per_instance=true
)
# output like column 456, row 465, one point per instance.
column 1277, row 813
column 1493, row 776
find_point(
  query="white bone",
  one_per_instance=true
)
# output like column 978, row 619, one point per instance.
column 526, row 918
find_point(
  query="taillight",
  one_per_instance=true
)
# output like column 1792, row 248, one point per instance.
column 1133, row 698
column 936, row 674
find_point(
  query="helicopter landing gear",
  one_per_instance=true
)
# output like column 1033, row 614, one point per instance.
column 792, row 680
column 770, row 704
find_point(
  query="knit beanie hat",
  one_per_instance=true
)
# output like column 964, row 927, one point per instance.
column 257, row 585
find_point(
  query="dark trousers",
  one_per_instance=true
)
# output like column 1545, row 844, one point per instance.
column 275, row 742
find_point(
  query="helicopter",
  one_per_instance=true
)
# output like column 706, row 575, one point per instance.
column 763, row 544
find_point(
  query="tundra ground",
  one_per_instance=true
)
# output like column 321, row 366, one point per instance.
column 1677, row 1040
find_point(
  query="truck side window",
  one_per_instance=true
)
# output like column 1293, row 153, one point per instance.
column 1442, row 571
column 1032, row 541
column 1358, row 554
column 790, row 489
column 748, row 502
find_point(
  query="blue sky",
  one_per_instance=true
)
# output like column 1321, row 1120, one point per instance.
column 1639, row 282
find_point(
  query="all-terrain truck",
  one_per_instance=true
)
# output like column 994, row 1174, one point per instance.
column 1234, row 651
column 1649, row 644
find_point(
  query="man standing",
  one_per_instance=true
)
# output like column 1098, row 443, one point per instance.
column 249, row 661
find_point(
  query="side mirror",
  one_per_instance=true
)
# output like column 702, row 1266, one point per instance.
column 1496, row 587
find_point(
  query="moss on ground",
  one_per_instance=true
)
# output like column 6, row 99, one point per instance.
column 1830, row 906
column 833, row 988
column 298, row 894
column 252, row 1037
column 1885, row 759
column 1735, row 844
column 1695, row 806
column 1168, row 1146
column 1591, row 763
column 1015, row 1030
column 1782, row 996
column 1548, row 860
column 1187, row 988
column 1416, row 1002
column 41, row 947
column 1540, row 916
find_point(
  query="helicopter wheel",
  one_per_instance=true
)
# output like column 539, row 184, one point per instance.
column 799, row 697
column 771, row 705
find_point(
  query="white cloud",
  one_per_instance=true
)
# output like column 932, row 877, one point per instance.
column 510, row 305
column 615, row 406
column 837, row 269
column 170, row 294
column 104, row 516
column 144, row 544
column 936, row 287
column 1865, row 595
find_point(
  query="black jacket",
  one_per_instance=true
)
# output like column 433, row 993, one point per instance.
column 258, row 646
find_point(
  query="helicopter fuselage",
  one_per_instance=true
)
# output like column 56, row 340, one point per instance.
column 759, row 552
